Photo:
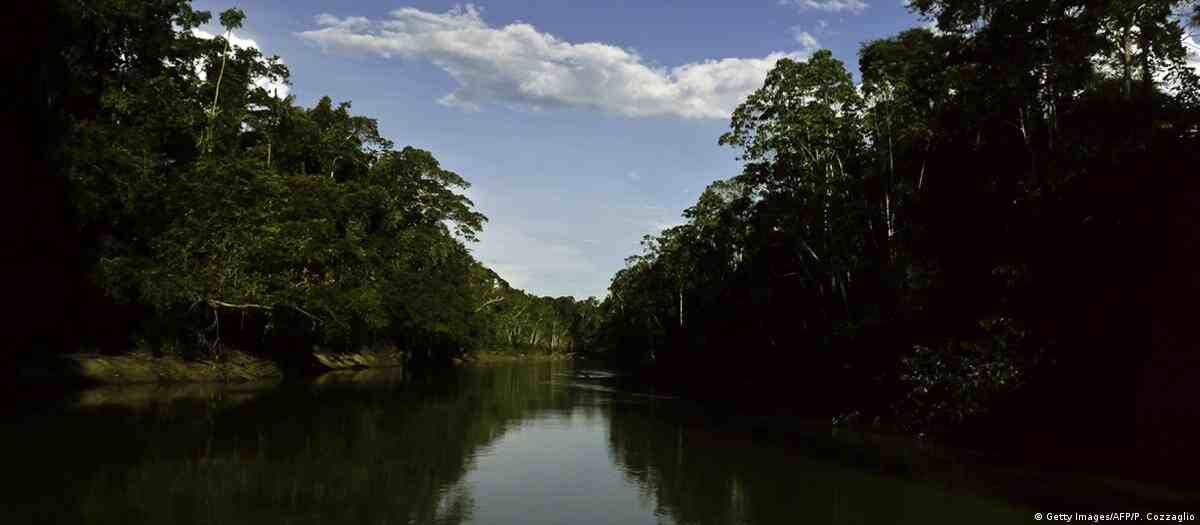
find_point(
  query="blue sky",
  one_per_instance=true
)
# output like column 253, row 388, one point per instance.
column 582, row 126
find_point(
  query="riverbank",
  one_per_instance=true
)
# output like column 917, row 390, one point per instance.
column 228, row 366
column 506, row 357
column 1034, row 482
column 140, row 368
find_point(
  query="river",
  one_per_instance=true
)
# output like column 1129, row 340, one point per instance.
column 490, row 444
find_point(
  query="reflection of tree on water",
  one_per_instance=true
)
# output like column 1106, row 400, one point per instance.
column 397, row 451
column 333, row 453
column 698, row 476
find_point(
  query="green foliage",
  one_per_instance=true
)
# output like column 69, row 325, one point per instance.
column 523, row 323
column 217, row 213
column 936, row 247
column 1022, row 163
column 962, row 378
column 232, row 19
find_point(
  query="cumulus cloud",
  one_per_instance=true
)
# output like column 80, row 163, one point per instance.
column 278, row 88
column 326, row 19
column 807, row 42
column 829, row 6
column 519, row 65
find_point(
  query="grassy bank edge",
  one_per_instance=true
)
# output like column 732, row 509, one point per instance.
column 228, row 366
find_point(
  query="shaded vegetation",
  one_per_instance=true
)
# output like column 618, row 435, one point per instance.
column 988, row 239
column 171, row 204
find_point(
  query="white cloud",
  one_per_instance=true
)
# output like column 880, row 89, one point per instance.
column 831, row 6
column 279, row 88
column 326, row 19
column 519, row 65
column 633, row 176
column 807, row 42
column 1193, row 48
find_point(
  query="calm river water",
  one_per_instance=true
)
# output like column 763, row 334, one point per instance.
column 497, row 444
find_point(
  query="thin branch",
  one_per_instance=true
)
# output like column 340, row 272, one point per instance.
column 310, row 316
column 212, row 114
column 489, row 302
column 221, row 74
column 215, row 303
column 245, row 306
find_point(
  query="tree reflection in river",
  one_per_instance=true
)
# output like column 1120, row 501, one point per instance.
column 515, row 443
column 701, row 476
column 342, row 450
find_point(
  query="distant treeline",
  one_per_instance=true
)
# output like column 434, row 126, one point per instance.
column 993, row 236
column 170, row 203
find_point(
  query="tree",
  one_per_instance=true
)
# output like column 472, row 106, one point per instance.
column 936, row 247
column 214, row 214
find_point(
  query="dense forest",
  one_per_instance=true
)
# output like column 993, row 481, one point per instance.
column 990, row 237
column 170, row 203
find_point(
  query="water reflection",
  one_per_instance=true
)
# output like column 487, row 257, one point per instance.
column 699, row 476
column 512, row 443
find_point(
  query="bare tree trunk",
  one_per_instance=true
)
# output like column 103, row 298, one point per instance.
column 1126, row 62
column 212, row 112
column 681, row 308
column 489, row 302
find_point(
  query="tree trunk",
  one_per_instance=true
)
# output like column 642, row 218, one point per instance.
column 681, row 308
column 1126, row 63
